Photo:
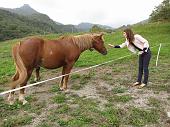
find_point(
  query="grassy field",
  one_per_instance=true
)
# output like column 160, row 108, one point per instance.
column 101, row 97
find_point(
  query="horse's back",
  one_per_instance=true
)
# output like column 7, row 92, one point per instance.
column 58, row 53
column 47, row 53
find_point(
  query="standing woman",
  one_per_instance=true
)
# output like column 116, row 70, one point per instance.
column 134, row 43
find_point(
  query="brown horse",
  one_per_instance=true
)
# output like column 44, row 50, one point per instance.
column 34, row 53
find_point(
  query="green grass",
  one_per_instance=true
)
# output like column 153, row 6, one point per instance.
column 81, row 121
column 17, row 121
column 75, row 76
column 118, row 90
column 73, row 116
column 140, row 117
column 154, row 102
column 55, row 88
column 107, row 76
column 161, row 87
column 73, row 110
column 60, row 98
column 123, row 98
column 17, row 114
column 87, row 113
column 36, row 107
column 79, row 81
column 44, row 124
column 154, row 36
column 62, row 109
column 112, row 117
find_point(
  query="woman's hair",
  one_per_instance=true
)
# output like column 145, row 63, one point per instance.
column 130, row 35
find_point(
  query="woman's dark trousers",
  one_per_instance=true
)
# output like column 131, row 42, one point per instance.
column 144, row 60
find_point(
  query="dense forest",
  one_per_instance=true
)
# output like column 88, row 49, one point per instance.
column 16, row 25
column 97, row 28
column 161, row 12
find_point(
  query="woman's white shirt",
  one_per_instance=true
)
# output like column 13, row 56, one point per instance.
column 139, row 42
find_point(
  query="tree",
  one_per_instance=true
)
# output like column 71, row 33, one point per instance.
column 95, row 29
column 161, row 12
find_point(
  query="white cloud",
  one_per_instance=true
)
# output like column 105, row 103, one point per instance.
column 109, row 12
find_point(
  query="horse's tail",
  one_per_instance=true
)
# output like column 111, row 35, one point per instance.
column 21, row 71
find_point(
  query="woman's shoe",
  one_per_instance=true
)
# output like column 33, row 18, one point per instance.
column 142, row 85
column 136, row 84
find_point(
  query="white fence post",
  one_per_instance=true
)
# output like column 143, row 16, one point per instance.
column 158, row 54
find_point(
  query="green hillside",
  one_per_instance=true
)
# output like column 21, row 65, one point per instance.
column 98, row 97
column 155, row 33
column 24, row 21
column 16, row 26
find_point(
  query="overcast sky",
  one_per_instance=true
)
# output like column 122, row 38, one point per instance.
column 107, row 12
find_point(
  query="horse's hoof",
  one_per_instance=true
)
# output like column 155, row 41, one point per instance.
column 11, row 102
column 61, row 89
column 66, row 91
column 24, row 102
column 11, row 99
column 22, row 99
column 36, row 79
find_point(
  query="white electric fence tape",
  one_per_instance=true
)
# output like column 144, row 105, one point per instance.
column 19, row 88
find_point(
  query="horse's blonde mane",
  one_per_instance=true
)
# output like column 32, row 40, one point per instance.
column 82, row 41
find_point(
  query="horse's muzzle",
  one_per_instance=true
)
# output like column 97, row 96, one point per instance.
column 91, row 49
column 104, row 53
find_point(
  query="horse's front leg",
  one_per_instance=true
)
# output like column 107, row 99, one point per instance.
column 67, row 70
column 61, row 82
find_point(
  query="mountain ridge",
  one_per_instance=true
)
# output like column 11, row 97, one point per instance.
column 24, row 21
column 27, row 10
column 87, row 26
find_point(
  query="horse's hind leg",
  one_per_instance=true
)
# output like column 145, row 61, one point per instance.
column 16, row 76
column 11, row 98
column 37, row 74
column 22, row 91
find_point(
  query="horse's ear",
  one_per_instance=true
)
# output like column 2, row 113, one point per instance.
column 101, row 34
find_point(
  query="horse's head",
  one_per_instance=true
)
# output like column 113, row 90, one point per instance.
column 98, row 44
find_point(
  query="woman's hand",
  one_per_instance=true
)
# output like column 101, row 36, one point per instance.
column 114, row 46
column 140, row 52
column 111, row 45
